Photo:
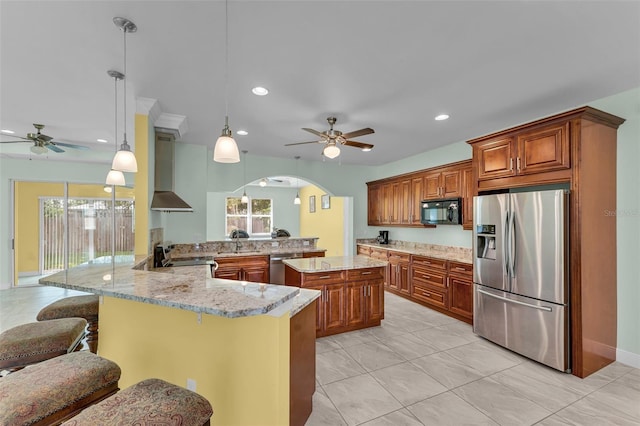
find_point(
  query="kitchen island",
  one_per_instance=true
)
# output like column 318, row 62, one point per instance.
column 351, row 288
column 248, row 348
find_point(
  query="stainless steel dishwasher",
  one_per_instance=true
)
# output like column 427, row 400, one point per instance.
column 276, row 267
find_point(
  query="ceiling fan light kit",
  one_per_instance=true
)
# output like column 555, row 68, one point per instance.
column 331, row 151
column 226, row 149
column 38, row 149
column 124, row 160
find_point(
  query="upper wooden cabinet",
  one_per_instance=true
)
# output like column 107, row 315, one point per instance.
column 538, row 150
column 397, row 201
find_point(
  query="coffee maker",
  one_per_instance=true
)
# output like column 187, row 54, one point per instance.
column 383, row 238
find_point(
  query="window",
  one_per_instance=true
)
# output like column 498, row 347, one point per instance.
column 255, row 217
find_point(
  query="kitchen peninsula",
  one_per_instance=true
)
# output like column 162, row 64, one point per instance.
column 248, row 348
column 351, row 288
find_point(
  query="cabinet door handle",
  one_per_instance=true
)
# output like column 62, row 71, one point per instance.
column 424, row 293
column 518, row 163
column 324, row 277
column 366, row 273
column 511, row 164
column 458, row 268
column 426, row 276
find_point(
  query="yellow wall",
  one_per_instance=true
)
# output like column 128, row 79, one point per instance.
column 142, row 185
column 326, row 224
column 241, row 365
column 27, row 212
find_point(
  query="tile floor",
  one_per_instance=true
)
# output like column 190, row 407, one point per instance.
column 423, row 368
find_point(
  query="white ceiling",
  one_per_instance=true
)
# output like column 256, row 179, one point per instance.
column 389, row 65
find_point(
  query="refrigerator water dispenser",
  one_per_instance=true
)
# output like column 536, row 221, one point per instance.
column 486, row 241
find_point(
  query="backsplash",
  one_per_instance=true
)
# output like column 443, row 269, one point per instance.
column 271, row 245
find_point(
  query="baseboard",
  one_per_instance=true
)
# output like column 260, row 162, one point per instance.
column 28, row 274
column 628, row 358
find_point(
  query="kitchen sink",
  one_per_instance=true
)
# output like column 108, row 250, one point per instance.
column 240, row 252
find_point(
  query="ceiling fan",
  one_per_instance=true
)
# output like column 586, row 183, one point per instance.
column 42, row 142
column 332, row 138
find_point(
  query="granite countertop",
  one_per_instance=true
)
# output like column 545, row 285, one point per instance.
column 456, row 254
column 187, row 288
column 333, row 263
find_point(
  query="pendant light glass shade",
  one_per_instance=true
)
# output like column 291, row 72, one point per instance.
column 297, row 199
column 331, row 151
column 125, row 160
column 244, row 198
column 226, row 149
column 115, row 177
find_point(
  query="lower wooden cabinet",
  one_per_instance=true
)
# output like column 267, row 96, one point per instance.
column 444, row 285
column 243, row 268
column 349, row 300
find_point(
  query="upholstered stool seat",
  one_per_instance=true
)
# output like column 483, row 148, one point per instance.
column 38, row 341
column 150, row 402
column 54, row 390
column 79, row 307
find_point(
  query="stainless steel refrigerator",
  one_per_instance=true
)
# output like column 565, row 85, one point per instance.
column 521, row 273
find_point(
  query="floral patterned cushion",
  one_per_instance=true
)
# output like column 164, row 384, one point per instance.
column 76, row 306
column 43, row 389
column 38, row 341
column 152, row 402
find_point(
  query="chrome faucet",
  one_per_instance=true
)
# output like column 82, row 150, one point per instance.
column 238, row 245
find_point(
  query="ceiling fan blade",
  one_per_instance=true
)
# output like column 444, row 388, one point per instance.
column 54, row 148
column 44, row 138
column 355, row 134
column 358, row 144
column 302, row 143
column 315, row 132
column 26, row 140
column 69, row 145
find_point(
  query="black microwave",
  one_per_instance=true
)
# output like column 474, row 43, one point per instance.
column 441, row 212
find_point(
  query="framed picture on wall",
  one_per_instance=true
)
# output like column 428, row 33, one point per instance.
column 326, row 201
column 312, row 204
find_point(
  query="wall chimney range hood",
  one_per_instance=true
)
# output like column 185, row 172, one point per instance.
column 164, row 197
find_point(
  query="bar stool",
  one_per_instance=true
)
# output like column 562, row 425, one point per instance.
column 149, row 402
column 38, row 341
column 52, row 391
column 77, row 307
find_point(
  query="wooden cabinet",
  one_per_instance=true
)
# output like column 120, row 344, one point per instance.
column 363, row 250
column 397, row 201
column 442, row 184
column 349, row 300
column 243, row 268
column 313, row 254
column 577, row 149
column 540, row 149
column 429, row 281
column 399, row 271
column 461, row 288
column 467, row 198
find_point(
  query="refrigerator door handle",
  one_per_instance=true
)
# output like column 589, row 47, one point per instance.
column 512, row 245
column 517, row 302
column 505, row 239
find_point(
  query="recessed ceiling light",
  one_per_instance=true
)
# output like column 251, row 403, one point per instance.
column 260, row 91
column 10, row 132
column 102, row 140
column 242, row 132
column 442, row 117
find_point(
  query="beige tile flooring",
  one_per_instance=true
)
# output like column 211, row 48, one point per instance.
column 424, row 368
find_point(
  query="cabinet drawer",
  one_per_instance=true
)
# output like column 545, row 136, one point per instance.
column 430, row 262
column 379, row 253
column 398, row 257
column 459, row 268
column 241, row 261
column 316, row 278
column 429, row 295
column 428, row 276
column 365, row 274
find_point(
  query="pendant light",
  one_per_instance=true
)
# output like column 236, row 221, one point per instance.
column 125, row 160
column 226, row 149
column 244, row 198
column 297, row 199
column 115, row 177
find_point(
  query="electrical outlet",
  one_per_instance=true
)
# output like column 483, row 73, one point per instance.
column 305, row 243
column 191, row 385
